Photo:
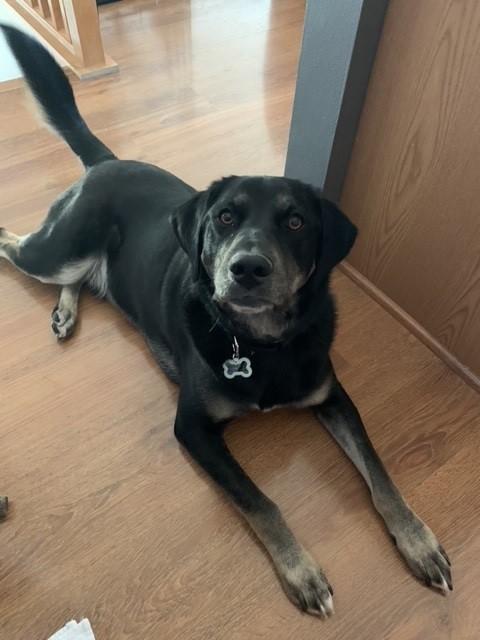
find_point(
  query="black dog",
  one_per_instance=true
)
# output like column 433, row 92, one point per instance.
column 230, row 287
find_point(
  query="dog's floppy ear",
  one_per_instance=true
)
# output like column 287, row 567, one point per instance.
column 337, row 237
column 187, row 225
column 188, row 221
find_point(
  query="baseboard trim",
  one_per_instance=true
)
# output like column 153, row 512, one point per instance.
column 412, row 325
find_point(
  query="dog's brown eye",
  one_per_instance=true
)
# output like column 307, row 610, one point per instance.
column 226, row 218
column 295, row 223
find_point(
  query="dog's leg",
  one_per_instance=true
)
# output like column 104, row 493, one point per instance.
column 302, row 579
column 415, row 541
column 64, row 315
column 56, row 253
column 45, row 260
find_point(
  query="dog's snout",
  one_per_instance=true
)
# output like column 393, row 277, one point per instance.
column 250, row 268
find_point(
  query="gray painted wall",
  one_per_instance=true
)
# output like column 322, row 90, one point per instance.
column 339, row 44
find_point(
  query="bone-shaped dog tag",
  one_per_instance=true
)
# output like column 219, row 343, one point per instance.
column 234, row 367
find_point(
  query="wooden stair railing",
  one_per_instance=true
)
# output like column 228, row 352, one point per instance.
column 71, row 28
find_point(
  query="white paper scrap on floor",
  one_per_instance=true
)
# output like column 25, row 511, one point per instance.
column 74, row 631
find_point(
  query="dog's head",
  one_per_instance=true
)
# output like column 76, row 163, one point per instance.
column 259, row 240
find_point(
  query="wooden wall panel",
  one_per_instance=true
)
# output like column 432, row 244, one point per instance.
column 413, row 184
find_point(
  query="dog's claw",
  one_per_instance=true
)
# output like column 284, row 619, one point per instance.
column 444, row 554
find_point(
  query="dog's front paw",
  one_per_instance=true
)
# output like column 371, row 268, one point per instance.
column 306, row 586
column 424, row 555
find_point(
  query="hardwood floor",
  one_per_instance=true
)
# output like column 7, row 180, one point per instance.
column 109, row 518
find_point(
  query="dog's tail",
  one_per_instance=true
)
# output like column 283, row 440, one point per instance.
column 54, row 94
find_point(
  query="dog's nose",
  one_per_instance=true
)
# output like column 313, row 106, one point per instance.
column 250, row 269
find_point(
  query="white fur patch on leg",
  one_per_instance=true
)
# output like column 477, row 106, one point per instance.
column 98, row 277
column 70, row 273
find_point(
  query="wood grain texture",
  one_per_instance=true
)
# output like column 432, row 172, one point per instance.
column 412, row 325
column 412, row 185
column 109, row 518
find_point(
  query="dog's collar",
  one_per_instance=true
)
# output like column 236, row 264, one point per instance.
column 244, row 347
column 220, row 319
column 237, row 338
column 237, row 365
column 241, row 366
column 257, row 345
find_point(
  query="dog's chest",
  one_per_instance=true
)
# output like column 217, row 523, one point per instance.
column 314, row 397
column 264, row 378
column 225, row 403
column 277, row 379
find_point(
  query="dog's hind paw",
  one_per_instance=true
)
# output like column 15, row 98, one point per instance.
column 8, row 238
column 63, row 322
